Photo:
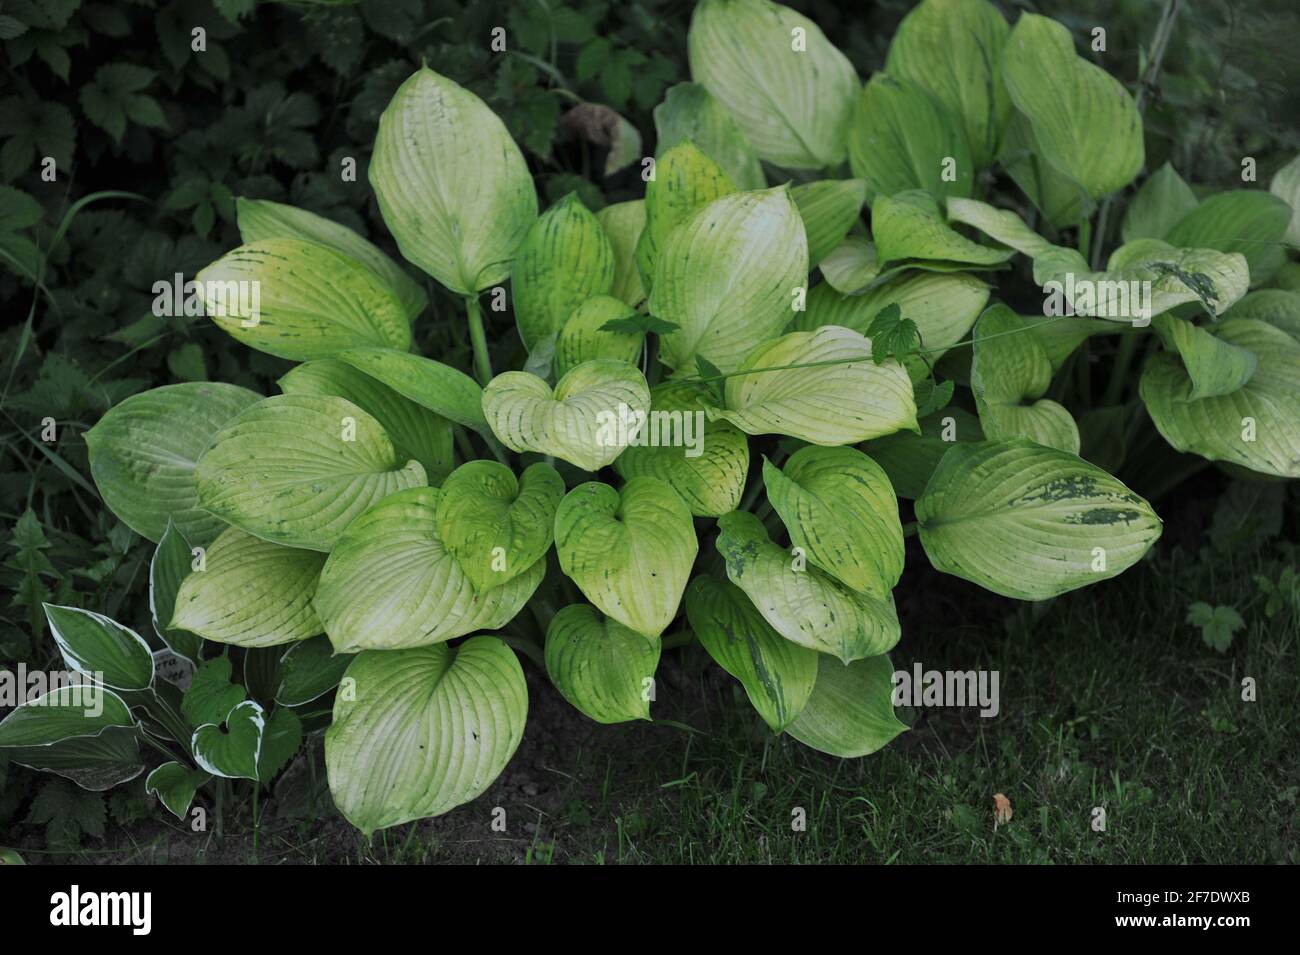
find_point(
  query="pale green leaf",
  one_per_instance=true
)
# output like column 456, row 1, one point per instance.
column 1214, row 366
column 851, row 710
column 600, row 666
column 1246, row 221
column 685, row 181
column 1159, row 204
column 689, row 111
column 582, row 338
column 828, row 208
column 444, row 390
column 623, row 222
column 909, row 228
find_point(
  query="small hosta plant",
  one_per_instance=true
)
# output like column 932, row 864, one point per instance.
column 735, row 389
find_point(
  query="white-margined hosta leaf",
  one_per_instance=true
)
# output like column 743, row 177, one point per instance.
column 803, row 603
column 585, row 420
column 728, row 276
column 838, row 396
column 143, row 452
column 900, row 139
column 777, row 674
column 169, row 566
column 64, row 713
column 1084, row 121
column 685, row 181
column 1285, row 184
column 689, row 111
column 565, row 259
column 416, row 432
column 623, row 222
column 231, row 750
column 301, row 300
column 908, row 459
column 101, row 648
column 582, row 338
column 1214, row 366
column 251, row 593
column 391, row 583
column 1010, row 373
column 829, row 208
column 704, row 461
column 788, row 88
column 1030, row 522
column 175, row 785
column 630, row 552
column 1159, row 204
column 952, row 49
column 851, row 710
column 495, row 525
column 1256, row 426
column 444, row 390
column 95, row 763
column 423, row 730
column 909, row 228
column 452, row 186
column 600, row 666
column 297, row 469
column 262, row 219
column 839, row 507
column 1275, row 306
column 1246, row 221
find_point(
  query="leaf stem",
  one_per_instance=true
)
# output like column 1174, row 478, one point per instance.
column 1119, row 372
column 524, row 646
column 478, row 339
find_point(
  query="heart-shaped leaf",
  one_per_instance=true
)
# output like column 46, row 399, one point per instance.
column 1214, row 366
column 629, row 551
column 101, row 648
column 423, row 730
column 623, row 222
column 175, row 785
column 685, row 181
column 600, row 666
column 689, row 111
column 851, row 710
column 231, row 751
column 585, row 338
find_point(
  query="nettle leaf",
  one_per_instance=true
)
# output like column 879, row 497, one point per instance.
column 836, row 395
column 704, row 461
column 297, row 469
column 1257, row 426
column 791, row 104
column 728, row 276
column 1247, row 221
column 391, row 583
column 416, row 432
column 1162, row 201
column 1277, row 307
column 308, row 670
column 600, row 666
column 1214, row 366
column 840, row 509
column 952, row 49
column 300, row 300
column 1010, row 373
column 630, row 552
column 565, row 259
column 169, row 565
column 452, row 186
column 67, row 712
column 623, row 223
column 446, row 391
column 892, row 335
column 909, row 228
column 1217, row 624
column 804, row 604
column 251, row 593
column 495, row 525
column 175, row 785
column 424, row 731
column 117, row 95
column 777, row 675
column 1285, row 184
column 601, row 327
column 851, row 710
column 262, row 219
column 102, row 649
column 231, row 750
column 690, row 112
column 1030, row 522
column 902, row 139
column 908, row 459
column 143, row 452
column 828, row 208
column 1084, row 122
column 584, row 420
column 685, row 181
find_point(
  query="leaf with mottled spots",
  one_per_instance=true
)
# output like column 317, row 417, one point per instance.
column 685, row 181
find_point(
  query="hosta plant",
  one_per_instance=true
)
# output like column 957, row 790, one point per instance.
column 741, row 394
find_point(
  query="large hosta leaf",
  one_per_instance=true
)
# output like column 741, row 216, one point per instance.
column 909, row 459
column 497, row 526
column 704, row 461
column 629, row 551
column 1214, row 366
column 262, row 219
column 829, row 208
column 909, row 229
column 685, row 181
column 623, row 222
column 1084, row 121
column 804, row 604
column 1157, row 207
column 101, row 648
column 1277, row 307
column 851, row 710
column 423, row 730
column 584, row 337
column 1257, row 426
column 835, row 395
column 777, row 674
column 582, row 420
column 728, row 277
column 251, row 593
column 311, row 300
column 391, row 583
column 600, row 666
column 453, row 188
column 95, row 763
column 791, row 104
column 1247, row 221
column 444, row 390
column 952, row 49
column 565, row 259
column 839, row 507
column 1030, row 522
column 416, row 432
column 689, row 111
column 297, row 469
column 143, row 452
